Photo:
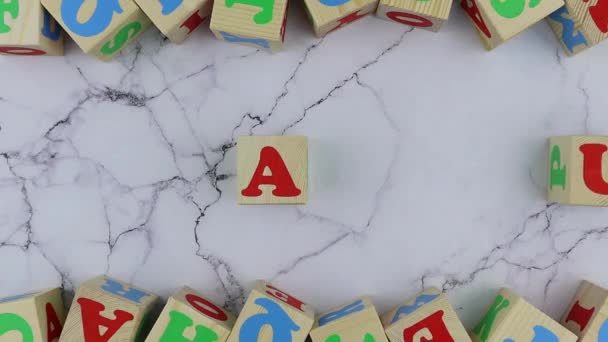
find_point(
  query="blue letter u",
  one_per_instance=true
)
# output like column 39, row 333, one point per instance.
column 98, row 21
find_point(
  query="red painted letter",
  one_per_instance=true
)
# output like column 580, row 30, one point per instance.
column 206, row 307
column 472, row 10
column 280, row 178
column 53, row 325
column 592, row 167
column 409, row 19
column 21, row 51
column 599, row 13
column 580, row 315
column 349, row 19
column 193, row 22
column 430, row 329
column 284, row 297
column 92, row 321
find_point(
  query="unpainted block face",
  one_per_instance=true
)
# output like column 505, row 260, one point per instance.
column 108, row 309
column 578, row 170
column 498, row 21
column 580, row 24
column 176, row 19
column 257, row 23
column 587, row 315
column 272, row 170
column 354, row 321
column 100, row 28
column 426, row 14
column 27, row 29
column 510, row 318
column 271, row 315
column 329, row 15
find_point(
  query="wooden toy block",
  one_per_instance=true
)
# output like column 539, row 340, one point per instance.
column 188, row 316
column 271, row 315
column 587, row 315
column 100, row 28
column 329, row 15
column 176, row 19
column 105, row 309
column 37, row 316
column 426, row 14
column 498, row 21
column 352, row 322
column 27, row 29
column 257, row 23
column 512, row 319
column 580, row 24
column 272, row 169
column 578, row 170
column 429, row 313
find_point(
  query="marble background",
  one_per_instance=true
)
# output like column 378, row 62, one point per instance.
column 427, row 166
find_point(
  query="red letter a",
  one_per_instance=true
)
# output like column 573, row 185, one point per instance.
column 53, row 325
column 472, row 10
column 580, row 315
column 280, row 178
column 430, row 329
column 92, row 320
column 592, row 167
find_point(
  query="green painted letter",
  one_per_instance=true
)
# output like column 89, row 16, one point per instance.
column 558, row 171
column 13, row 322
column 266, row 6
column 12, row 7
column 178, row 324
column 485, row 326
column 336, row 338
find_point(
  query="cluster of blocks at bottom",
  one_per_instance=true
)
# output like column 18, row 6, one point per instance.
column 106, row 309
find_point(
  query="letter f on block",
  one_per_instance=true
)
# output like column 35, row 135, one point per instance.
column 262, row 17
column 12, row 7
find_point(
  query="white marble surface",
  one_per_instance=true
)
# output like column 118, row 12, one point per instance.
column 427, row 166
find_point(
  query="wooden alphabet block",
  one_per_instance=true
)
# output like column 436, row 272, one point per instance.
column 512, row 319
column 37, row 316
column 272, row 170
column 257, row 23
column 426, row 14
column 109, row 310
column 428, row 314
column 580, row 24
column 100, row 28
column 357, row 321
column 27, row 29
column 271, row 315
column 188, row 316
column 578, row 170
column 176, row 19
column 329, row 15
column 587, row 315
column 498, row 21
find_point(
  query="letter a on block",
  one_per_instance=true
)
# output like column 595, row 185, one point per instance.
column 93, row 322
column 275, row 317
column 430, row 329
column 280, row 178
column 592, row 167
column 53, row 325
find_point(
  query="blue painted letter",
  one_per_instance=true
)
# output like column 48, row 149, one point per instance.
column 97, row 23
column 116, row 288
column 333, row 3
column 170, row 5
column 570, row 39
column 541, row 334
column 602, row 336
column 47, row 30
column 345, row 311
column 408, row 309
column 229, row 37
column 275, row 317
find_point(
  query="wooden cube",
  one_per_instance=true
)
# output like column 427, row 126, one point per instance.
column 37, row 316
column 497, row 21
column 587, row 315
column 355, row 321
column 426, row 14
column 27, row 29
column 329, row 15
column 578, row 170
column 109, row 310
column 176, row 19
column 257, row 23
column 580, row 24
column 100, row 28
column 510, row 318
column 272, row 315
column 190, row 316
column 272, row 170
column 429, row 311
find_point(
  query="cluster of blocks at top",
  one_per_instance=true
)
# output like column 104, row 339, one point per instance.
column 108, row 310
column 104, row 28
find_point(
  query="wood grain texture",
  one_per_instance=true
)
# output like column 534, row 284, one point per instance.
column 325, row 19
column 411, row 12
column 571, row 159
column 174, row 24
column 238, row 20
column 21, row 31
column 358, row 321
column 510, row 317
column 303, row 317
column 124, row 28
column 587, row 314
column 294, row 153
column 92, row 290
column 438, row 309
column 180, row 302
column 569, row 31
